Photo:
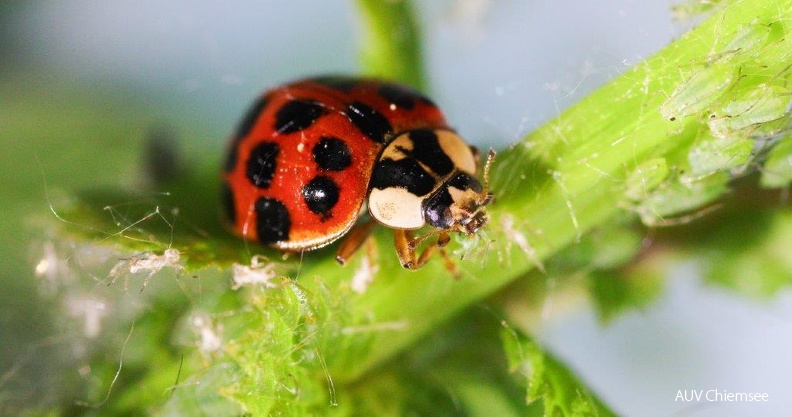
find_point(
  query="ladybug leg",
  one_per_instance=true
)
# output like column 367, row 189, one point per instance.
column 406, row 245
column 401, row 239
column 442, row 239
column 354, row 240
column 449, row 264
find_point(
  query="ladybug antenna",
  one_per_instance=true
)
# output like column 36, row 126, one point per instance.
column 488, row 197
column 490, row 159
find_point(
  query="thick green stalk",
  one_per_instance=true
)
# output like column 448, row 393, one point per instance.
column 391, row 41
column 563, row 179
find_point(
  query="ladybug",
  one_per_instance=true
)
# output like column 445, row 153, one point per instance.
column 309, row 156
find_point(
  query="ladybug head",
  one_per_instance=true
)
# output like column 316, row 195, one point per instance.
column 460, row 204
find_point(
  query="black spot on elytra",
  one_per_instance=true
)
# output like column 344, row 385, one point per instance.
column 297, row 115
column 272, row 221
column 261, row 164
column 401, row 96
column 427, row 150
column 227, row 200
column 231, row 157
column 243, row 129
column 338, row 82
column 252, row 115
column 404, row 173
column 425, row 100
column 332, row 154
column 321, row 195
column 371, row 122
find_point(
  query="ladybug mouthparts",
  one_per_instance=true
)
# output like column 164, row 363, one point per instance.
column 470, row 214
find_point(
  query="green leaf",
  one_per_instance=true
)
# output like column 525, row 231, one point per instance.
column 458, row 369
column 612, row 262
column 182, row 214
column 645, row 179
column 137, row 363
column 281, row 352
column 693, row 8
column 626, row 289
column 548, row 380
column 777, row 170
column 279, row 359
column 744, row 250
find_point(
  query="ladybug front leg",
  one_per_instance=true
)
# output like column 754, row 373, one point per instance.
column 406, row 245
column 352, row 242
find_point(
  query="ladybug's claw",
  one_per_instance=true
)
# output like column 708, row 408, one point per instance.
column 406, row 245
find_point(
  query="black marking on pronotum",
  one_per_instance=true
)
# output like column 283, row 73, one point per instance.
column 321, row 195
column 401, row 96
column 465, row 181
column 243, row 129
column 371, row 122
column 338, row 82
column 427, row 150
column 404, row 173
column 332, row 154
column 272, row 221
column 297, row 115
column 227, row 200
column 261, row 164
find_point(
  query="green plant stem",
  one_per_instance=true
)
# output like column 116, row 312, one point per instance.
column 554, row 185
column 391, row 41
